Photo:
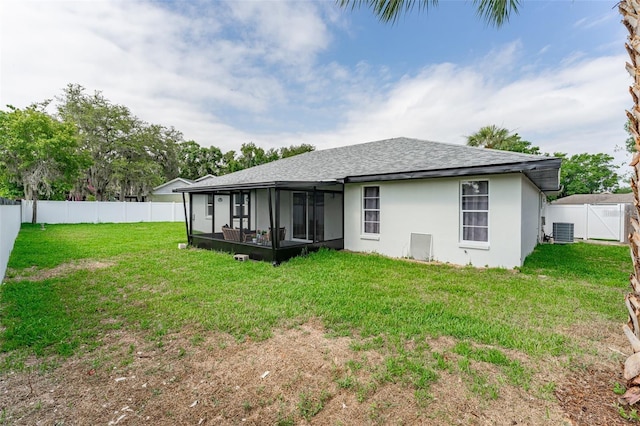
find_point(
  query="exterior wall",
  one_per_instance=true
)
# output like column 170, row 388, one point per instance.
column 432, row 206
column 285, row 212
column 202, row 222
column 9, row 228
column 167, row 188
column 261, row 218
column 531, row 226
column 260, row 213
column 165, row 198
column 332, row 216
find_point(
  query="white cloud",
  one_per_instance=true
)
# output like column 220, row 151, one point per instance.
column 228, row 73
column 577, row 106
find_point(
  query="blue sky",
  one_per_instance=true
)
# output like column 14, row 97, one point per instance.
column 280, row 73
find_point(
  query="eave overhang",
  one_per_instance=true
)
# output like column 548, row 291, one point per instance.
column 258, row 185
column 545, row 174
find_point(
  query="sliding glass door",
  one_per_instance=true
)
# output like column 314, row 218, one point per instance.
column 304, row 216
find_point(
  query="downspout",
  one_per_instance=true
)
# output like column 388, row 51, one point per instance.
column 314, row 216
column 213, row 214
column 186, row 219
column 273, row 234
column 343, row 214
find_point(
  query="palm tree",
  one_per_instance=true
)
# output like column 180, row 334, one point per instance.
column 497, row 12
column 495, row 137
column 489, row 137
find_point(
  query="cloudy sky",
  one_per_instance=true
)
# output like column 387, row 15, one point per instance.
column 280, row 73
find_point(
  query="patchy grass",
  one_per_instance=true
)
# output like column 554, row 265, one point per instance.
column 153, row 286
column 70, row 288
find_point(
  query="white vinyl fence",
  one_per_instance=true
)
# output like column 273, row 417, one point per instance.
column 102, row 212
column 590, row 221
column 9, row 228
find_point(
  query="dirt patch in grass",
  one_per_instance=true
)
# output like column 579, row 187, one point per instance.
column 298, row 376
column 37, row 274
column 587, row 396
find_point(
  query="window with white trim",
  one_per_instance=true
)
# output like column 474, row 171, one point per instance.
column 474, row 211
column 209, row 205
column 371, row 210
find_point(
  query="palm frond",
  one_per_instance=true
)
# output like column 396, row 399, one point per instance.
column 388, row 10
column 495, row 12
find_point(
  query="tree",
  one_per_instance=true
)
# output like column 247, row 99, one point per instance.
column 103, row 129
column 195, row 161
column 295, row 150
column 587, row 174
column 130, row 156
column 252, row 155
column 497, row 12
column 38, row 152
column 495, row 137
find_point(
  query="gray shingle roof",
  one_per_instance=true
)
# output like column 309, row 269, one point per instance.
column 399, row 158
column 606, row 198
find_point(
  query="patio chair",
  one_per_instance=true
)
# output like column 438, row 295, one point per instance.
column 281, row 234
column 230, row 234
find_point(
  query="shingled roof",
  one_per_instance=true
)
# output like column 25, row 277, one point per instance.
column 390, row 159
column 605, row 198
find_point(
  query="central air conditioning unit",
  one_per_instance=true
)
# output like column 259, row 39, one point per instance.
column 562, row 232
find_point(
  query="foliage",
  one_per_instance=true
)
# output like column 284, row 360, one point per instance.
column 495, row 137
column 196, row 161
column 10, row 190
column 587, row 174
column 629, row 143
column 494, row 12
column 286, row 152
column 129, row 156
column 252, row 155
column 38, row 152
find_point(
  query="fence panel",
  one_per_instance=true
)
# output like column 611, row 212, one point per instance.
column 605, row 222
column 9, row 229
column 103, row 212
column 591, row 221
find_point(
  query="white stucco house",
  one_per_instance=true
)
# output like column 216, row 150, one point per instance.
column 398, row 197
column 164, row 192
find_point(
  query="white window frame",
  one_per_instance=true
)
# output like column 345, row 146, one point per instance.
column 463, row 241
column 365, row 210
column 208, row 206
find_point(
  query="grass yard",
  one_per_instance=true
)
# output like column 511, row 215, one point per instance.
column 343, row 338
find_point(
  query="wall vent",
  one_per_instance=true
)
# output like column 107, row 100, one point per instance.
column 562, row 232
column 421, row 245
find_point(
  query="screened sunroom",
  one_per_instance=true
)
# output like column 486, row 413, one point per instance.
column 272, row 222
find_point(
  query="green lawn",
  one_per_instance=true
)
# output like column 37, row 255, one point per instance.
column 154, row 287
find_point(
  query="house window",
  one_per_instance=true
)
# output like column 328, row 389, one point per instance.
column 209, row 205
column 474, row 210
column 371, row 210
column 238, row 208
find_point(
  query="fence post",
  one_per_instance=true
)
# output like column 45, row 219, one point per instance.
column 586, row 222
column 623, row 220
